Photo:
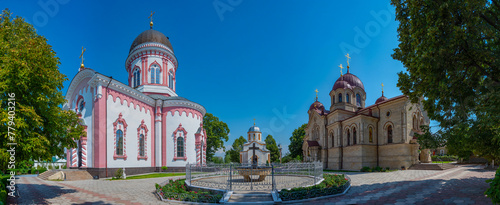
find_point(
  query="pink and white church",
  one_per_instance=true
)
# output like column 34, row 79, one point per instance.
column 140, row 125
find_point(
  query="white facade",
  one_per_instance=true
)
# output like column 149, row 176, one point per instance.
column 256, row 146
column 141, row 126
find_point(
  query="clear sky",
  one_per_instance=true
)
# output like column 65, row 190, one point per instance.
column 240, row 59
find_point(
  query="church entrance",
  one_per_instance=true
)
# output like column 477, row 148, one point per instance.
column 79, row 153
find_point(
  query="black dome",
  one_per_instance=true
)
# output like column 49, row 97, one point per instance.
column 151, row 36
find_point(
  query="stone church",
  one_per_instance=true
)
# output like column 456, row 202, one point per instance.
column 351, row 135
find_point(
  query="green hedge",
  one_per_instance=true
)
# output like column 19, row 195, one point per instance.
column 178, row 190
column 3, row 189
column 444, row 158
column 494, row 191
column 331, row 185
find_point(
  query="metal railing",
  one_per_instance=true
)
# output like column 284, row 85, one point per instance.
column 245, row 177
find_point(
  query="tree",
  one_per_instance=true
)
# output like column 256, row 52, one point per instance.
column 429, row 140
column 227, row 157
column 217, row 134
column 450, row 50
column 234, row 152
column 30, row 86
column 296, row 141
column 271, row 146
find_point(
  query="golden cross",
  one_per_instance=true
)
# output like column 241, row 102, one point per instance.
column 81, row 55
column 382, row 88
column 151, row 16
column 348, row 59
column 253, row 121
column 316, row 93
column 340, row 66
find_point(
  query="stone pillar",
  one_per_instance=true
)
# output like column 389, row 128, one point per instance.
column 425, row 156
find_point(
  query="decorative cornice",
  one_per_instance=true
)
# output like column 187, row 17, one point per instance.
column 116, row 85
column 185, row 103
column 86, row 73
column 153, row 49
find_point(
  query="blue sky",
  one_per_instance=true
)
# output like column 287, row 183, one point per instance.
column 240, row 59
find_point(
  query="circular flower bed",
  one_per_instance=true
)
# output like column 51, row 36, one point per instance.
column 331, row 185
column 177, row 190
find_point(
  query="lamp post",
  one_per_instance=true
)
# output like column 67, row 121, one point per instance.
column 279, row 147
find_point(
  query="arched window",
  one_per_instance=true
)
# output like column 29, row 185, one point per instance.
column 370, row 134
column 354, row 140
column 136, row 81
column 333, row 139
column 348, row 137
column 141, row 145
column 414, row 122
column 389, row 134
column 421, row 123
column 155, row 74
column 340, row 97
column 347, row 98
column 180, row 147
column 81, row 105
column 119, row 142
column 171, row 80
column 358, row 100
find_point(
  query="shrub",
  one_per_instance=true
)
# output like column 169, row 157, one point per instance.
column 177, row 190
column 365, row 169
column 3, row 190
column 164, row 168
column 377, row 169
column 332, row 184
column 494, row 191
column 118, row 174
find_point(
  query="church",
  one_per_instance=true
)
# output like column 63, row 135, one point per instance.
column 351, row 135
column 255, row 151
column 142, row 124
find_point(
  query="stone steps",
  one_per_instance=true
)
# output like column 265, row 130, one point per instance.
column 71, row 175
column 432, row 166
column 45, row 175
column 244, row 198
column 77, row 175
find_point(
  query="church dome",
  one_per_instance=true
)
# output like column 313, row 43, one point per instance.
column 381, row 99
column 352, row 81
column 151, row 36
column 341, row 84
column 254, row 129
column 317, row 105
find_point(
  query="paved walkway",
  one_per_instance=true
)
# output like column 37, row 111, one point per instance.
column 461, row 185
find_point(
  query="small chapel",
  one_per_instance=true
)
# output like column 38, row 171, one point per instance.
column 353, row 134
column 255, row 151
column 141, row 124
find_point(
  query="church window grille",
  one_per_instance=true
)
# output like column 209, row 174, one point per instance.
column 180, row 147
column 137, row 78
column 333, row 139
column 171, row 80
column 414, row 123
column 119, row 142
column 340, row 97
column 348, row 138
column 141, row 145
column 155, row 74
column 370, row 134
column 347, row 100
column 81, row 105
column 389, row 134
column 358, row 100
column 354, row 140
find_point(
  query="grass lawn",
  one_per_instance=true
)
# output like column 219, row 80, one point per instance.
column 324, row 170
column 439, row 162
column 153, row 175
